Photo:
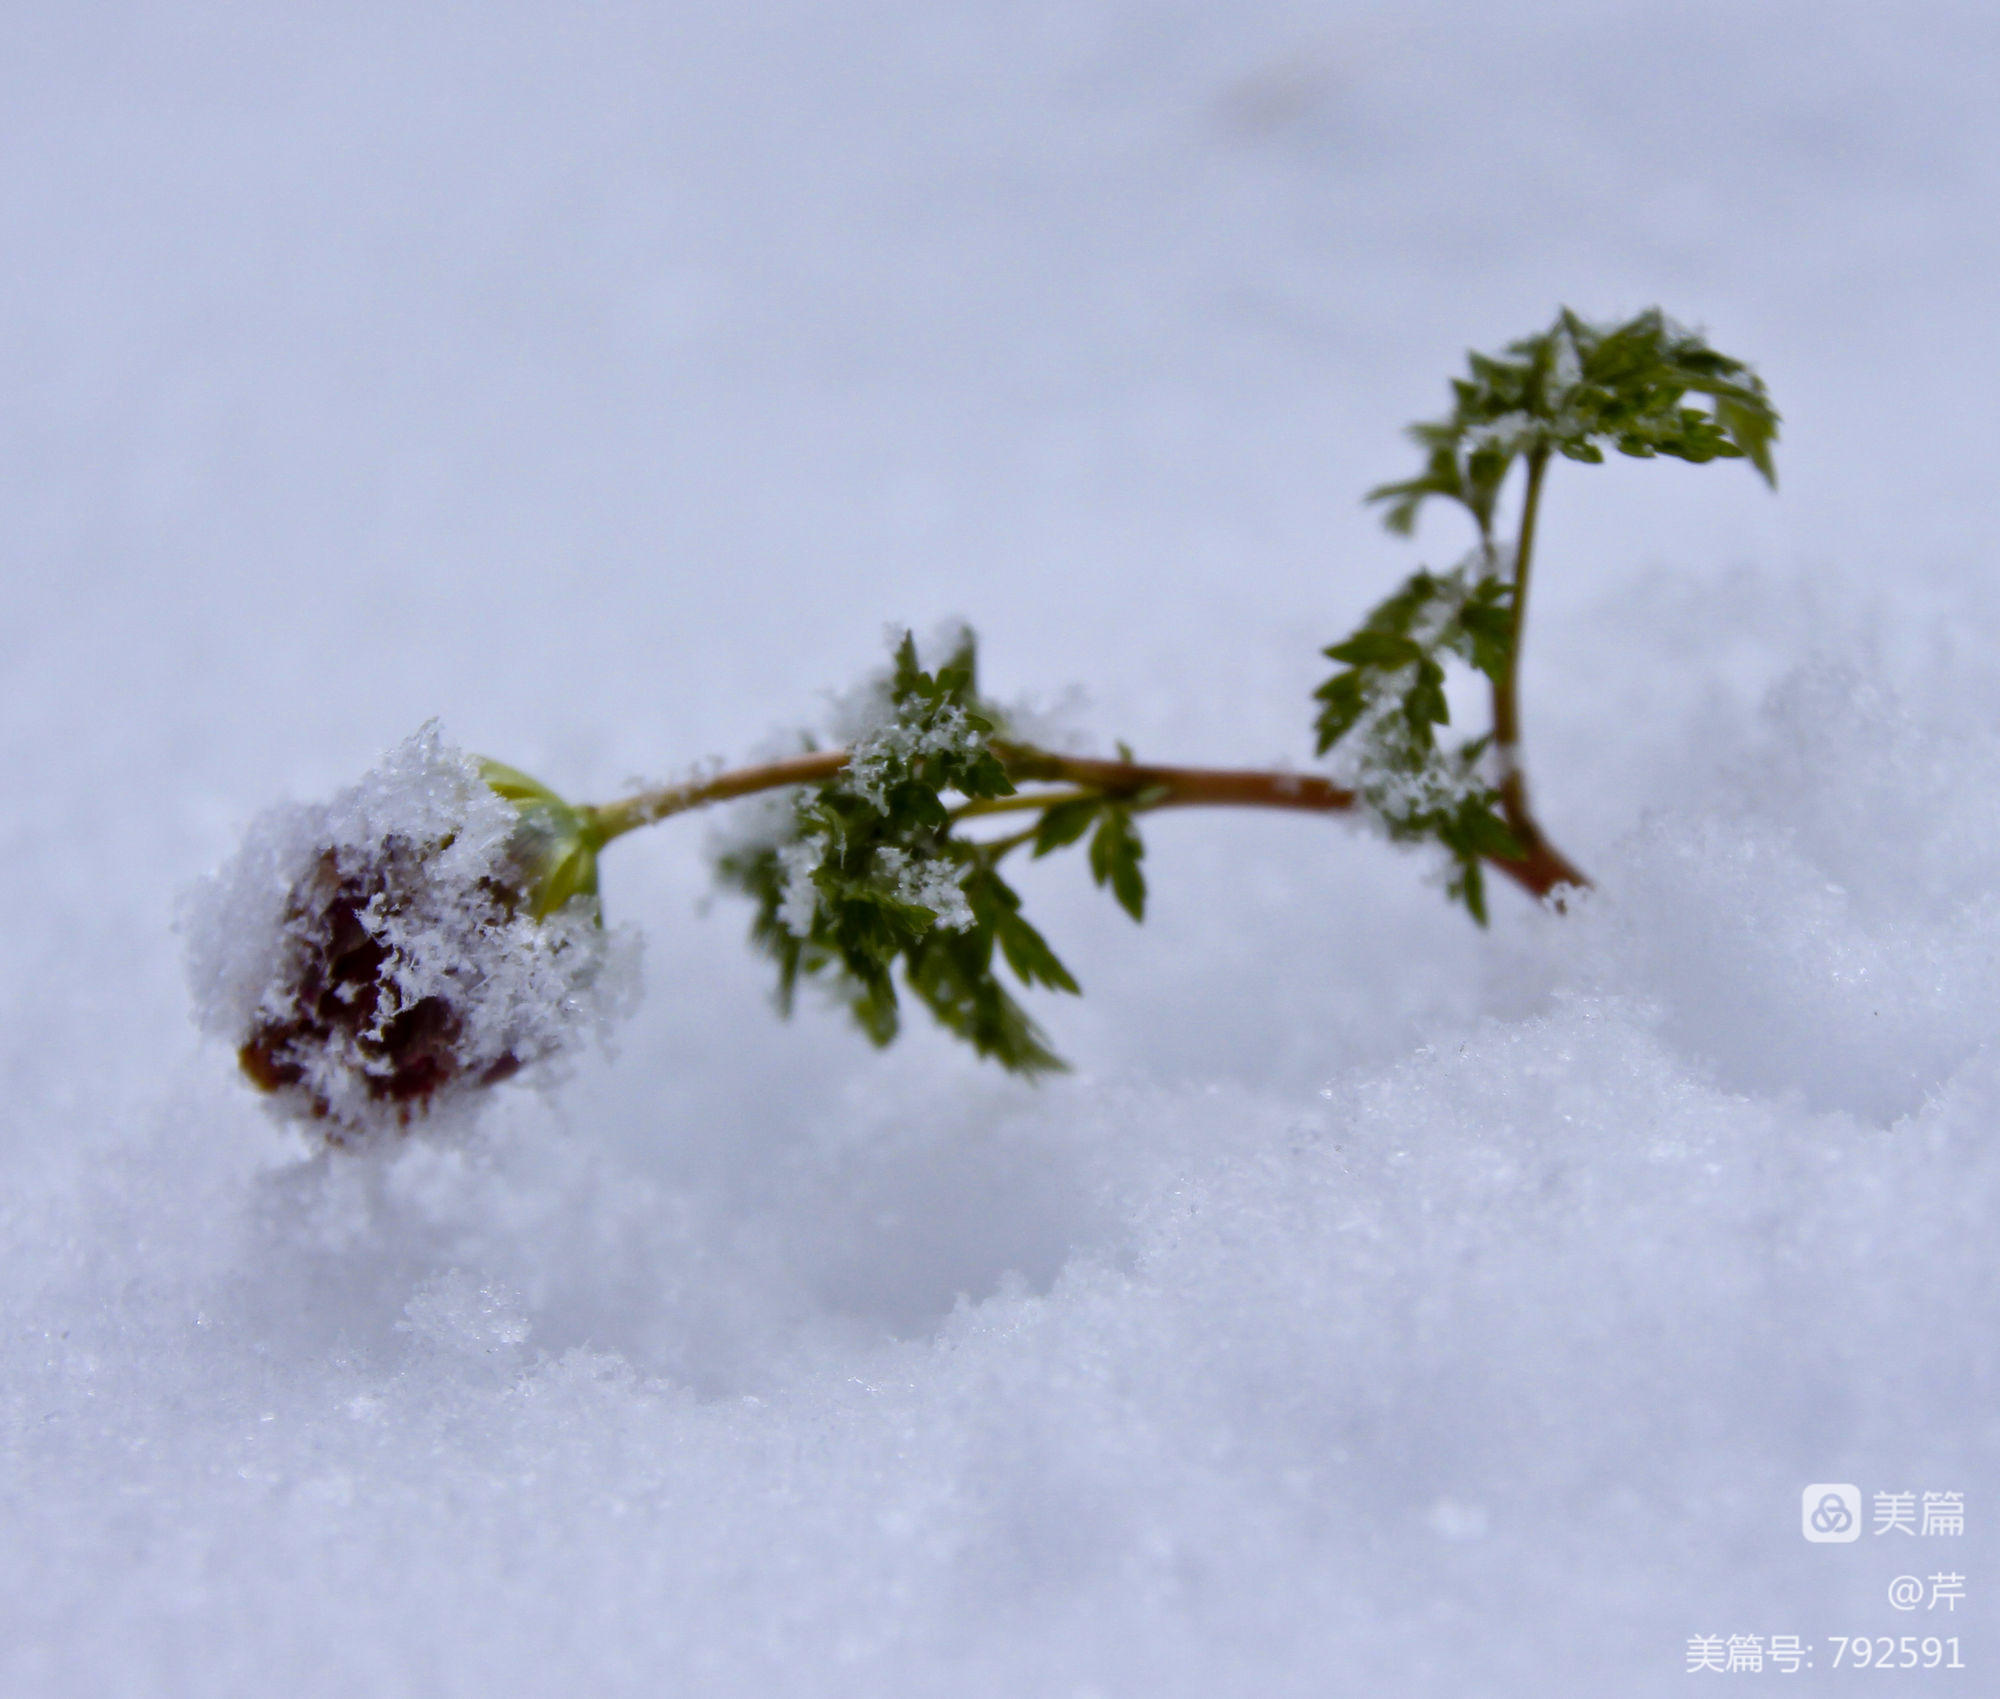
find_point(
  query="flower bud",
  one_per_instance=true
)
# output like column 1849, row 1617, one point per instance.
column 385, row 957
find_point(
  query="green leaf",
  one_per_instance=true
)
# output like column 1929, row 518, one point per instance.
column 1345, row 703
column 1487, row 622
column 906, row 676
column 967, row 1001
column 1373, row 648
column 872, row 1000
column 1029, row 955
column 1424, row 703
column 1468, row 886
column 1752, row 429
column 1064, row 822
column 1115, row 854
column 1644, row 387
column 1486, row 834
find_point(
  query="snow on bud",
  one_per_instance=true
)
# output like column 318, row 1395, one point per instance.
column 386, row 956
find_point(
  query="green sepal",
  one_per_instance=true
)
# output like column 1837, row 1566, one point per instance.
column 555, row 844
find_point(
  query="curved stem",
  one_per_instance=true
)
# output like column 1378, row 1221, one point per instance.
column 615, row 819
column 1140, row 784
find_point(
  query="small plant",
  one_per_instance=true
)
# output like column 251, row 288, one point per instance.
column 1572, row 391
column 437, row 928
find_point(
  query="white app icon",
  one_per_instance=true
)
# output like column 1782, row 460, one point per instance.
column 1830, row 1511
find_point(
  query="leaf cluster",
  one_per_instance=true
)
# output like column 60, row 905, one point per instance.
column 1576, row 389
column 868, row 873
column 1388, row 701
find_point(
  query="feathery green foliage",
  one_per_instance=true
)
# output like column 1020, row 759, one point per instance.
column 1571, row 391
column 868, row 883
column 1389, row 698
column 869, row 871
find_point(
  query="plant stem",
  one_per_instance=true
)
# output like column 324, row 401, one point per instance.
column 1147, row 785
column 1142, row 785
column 993, row 849
column 1506, row 688
column 1544, row 867
column 615, row 819
column 984, row 805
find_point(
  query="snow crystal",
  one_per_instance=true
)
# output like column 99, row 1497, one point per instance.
column 801, row 858
column 933, row 883
column 457, row 1313
column 894, row 744
column 879, row 739
column 1382, row 756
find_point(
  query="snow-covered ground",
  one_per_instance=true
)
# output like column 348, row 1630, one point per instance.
column 1380, row 1308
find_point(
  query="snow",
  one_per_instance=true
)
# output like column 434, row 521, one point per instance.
column 801, row 859
column 930, row 884
column 1380, row 1306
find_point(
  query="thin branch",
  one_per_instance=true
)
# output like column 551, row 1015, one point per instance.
column 615, row 819
column 1143, row 785
column 980, row 806
column 1149, row 785
column 1544, row 868
column 993, row 849
column 1506, row 688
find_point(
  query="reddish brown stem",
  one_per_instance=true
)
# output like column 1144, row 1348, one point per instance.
column 1178, row 787
column 1544, row 869
column 1148, row 785
column 615, row 819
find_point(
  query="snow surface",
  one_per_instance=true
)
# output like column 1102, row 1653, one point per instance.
column 1380, row 1307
